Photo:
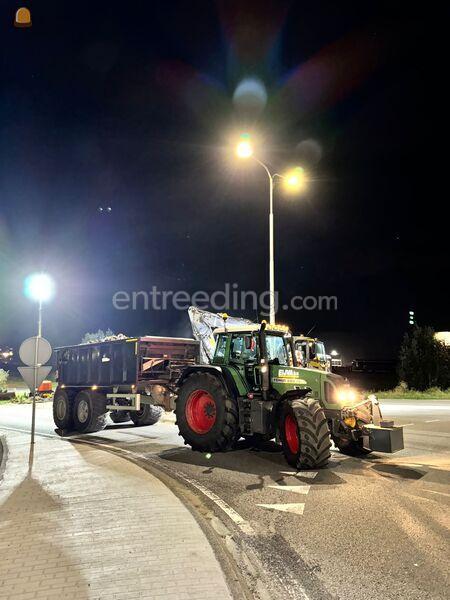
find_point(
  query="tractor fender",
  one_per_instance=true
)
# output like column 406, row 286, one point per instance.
column 222, row 375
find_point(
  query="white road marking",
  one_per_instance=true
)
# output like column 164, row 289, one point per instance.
column 433, row 421
column 295, row 508
column 49, row 435
column 298, row 489
column 306, row 474
column 435, row 492
column 405, row 424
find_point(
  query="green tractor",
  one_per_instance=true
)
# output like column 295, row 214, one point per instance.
column 254, row 388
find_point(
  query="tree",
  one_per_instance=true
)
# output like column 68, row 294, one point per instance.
column 98, row 336
column 424, row 362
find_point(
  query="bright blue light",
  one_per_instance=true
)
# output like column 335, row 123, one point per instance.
column 39, row 287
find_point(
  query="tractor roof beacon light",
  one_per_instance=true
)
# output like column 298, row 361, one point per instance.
column 22, row 18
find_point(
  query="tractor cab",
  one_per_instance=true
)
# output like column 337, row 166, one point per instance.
column 311, row 353
column 261, row 356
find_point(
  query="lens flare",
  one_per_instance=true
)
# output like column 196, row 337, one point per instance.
column 39, row 287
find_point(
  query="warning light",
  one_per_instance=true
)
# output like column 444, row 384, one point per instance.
column 23, row 18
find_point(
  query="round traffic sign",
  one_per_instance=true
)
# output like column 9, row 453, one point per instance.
column 35, row 351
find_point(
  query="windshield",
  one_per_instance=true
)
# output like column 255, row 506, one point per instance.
column 276, row 350
column 320, row 351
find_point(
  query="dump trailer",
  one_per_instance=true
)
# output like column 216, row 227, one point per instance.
column 132, row 379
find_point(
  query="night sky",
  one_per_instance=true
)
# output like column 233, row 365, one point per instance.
column 129, row 105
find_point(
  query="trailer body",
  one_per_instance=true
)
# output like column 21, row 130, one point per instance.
column 131, row 363
column 131, row 378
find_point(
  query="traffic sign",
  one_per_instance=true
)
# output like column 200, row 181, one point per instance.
column 28, row 375
column 35, row 351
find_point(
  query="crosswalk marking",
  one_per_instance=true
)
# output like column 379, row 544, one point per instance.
column 306, row 474
column 298, row 489
column 296, row 508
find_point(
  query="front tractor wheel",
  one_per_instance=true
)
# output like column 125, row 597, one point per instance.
column 207, row 416
column 304, row 434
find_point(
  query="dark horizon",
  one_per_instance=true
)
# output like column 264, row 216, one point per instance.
column 131, row 108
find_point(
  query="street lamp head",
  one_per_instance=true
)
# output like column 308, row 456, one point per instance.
column 295, row 180
column 39, row 287
column 244, row 148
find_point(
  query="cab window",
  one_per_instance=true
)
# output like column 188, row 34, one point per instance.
column 221, row 347
column 243, row 348
column 276, row 350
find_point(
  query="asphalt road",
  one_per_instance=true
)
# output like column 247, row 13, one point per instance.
column 375, row 527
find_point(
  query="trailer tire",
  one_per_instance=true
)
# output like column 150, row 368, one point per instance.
column 119, row 416
column 148, row 415
column 89, row 414
column 304, row 434
column 206, row 415
column 63, row 409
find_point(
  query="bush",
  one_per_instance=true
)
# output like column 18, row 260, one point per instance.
column 424, row 362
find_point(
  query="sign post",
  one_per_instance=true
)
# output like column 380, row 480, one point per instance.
column 34, row 352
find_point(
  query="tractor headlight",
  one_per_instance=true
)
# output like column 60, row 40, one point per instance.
column 346, row 394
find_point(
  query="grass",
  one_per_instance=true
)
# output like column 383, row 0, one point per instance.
column 21, row 398
column 401, row 392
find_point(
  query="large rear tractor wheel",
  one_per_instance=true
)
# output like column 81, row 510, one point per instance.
column 147, row 415
column 304, row 434
column 89, row 412
column 207, row 416
column 63, row 409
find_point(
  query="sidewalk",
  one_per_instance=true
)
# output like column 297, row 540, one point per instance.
column 82, row 523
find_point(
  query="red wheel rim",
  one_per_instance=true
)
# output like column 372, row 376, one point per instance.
column 200, row 411
column 291, row 433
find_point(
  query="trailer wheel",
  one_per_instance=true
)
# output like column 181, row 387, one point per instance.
column 63, row 409
column 89, row 412
column 119, row 416
column 148, row 415
column 304, row 434
column 207, row 416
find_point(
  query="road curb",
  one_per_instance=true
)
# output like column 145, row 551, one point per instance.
column 3, row 455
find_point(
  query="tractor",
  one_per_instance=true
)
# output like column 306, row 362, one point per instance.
column 311, row 352
column 253, row 387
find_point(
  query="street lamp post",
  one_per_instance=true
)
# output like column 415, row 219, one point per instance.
column 271, row 243
column 293, row 180
column 38, row 287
